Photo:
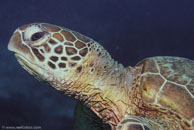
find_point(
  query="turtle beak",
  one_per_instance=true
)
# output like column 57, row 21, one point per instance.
column 14, row 39
column 17, row 46
column 15, row 43
column 23, row 54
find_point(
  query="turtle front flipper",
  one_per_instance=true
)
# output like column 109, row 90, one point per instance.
column 134, row 123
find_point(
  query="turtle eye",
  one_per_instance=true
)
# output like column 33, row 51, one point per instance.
column 36, row 36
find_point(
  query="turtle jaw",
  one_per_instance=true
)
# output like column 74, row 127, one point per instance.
column 35, row 70
column 23, row 54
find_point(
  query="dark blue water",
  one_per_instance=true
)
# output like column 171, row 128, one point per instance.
column 129, row 29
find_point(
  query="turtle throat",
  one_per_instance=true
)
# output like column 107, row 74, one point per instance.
column 102, row 87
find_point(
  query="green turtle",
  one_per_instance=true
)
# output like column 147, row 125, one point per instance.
column 156, row 94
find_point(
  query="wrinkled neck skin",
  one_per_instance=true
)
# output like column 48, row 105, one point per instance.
column 102, row 85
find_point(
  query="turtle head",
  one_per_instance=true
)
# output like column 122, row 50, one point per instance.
column 53, row 53
column 71, row 63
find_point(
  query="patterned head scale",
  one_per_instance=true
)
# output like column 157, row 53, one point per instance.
column 48, row 51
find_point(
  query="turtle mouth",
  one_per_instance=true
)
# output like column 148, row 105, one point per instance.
column 30, row 67
column 26, row 64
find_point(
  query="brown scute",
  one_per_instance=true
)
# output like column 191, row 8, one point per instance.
column 81, row 37
column 64, row 58
column 176, row 69
column 80, row 44
column 71, row 51
column 51, row 65
column 68, row 43
column 58, row 37
column 151, row 85
column 177, row 98
column 83, row 52
column 37, row 54
column 54, row 58
column 76, row 58
column 68, row 36
column 47, row 48
column 51, row 28
column 148, row 65
column 62, row 65
column 52, row 42
column 22, row 28
column 79, row 69
column 59, row 49
column 72, row 64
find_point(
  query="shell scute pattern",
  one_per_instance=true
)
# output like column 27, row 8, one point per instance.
column 81, row 37
column 80, row 44
column 47, row 48
column 58, row 37
column 150, row 87
column 54, row 58
column 52, row 42
column 68, row 36
column 71, row 51
column 168, row 82
column 176, row 97
column 68, row 43
column 59, row 49
column 181, row 72
column 61, row 42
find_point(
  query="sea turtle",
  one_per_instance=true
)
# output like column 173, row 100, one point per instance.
column 156, row 94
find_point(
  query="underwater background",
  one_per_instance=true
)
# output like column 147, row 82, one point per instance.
column 130, row 30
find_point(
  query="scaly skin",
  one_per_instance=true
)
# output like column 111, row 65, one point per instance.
column 122, row 97
column 92, row 77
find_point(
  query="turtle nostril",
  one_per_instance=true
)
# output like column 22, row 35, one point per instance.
column 37, row 36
